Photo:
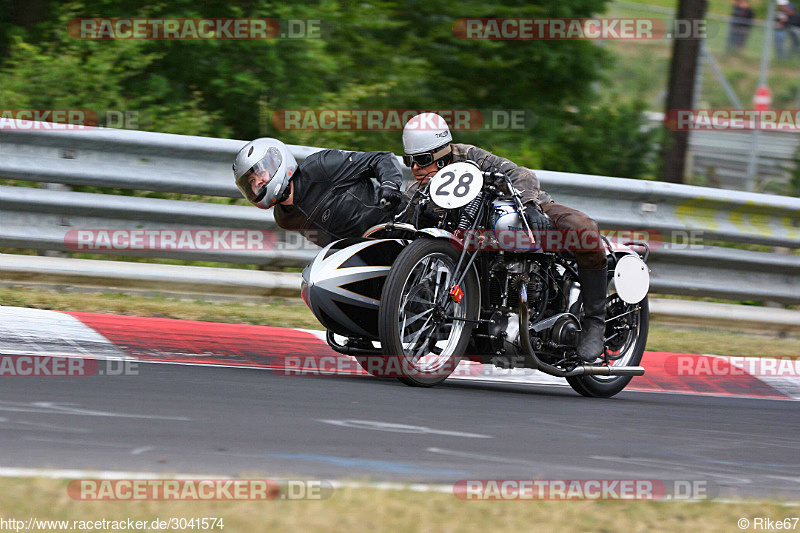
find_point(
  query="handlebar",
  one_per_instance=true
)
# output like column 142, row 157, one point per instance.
column 493, row 174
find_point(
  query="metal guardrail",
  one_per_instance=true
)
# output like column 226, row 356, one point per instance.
column 248, row 285
column 177, row 279
column 39, row 219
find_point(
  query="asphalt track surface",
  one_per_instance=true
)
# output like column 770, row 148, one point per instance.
column 242, row 421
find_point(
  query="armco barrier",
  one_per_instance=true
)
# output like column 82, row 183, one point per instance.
column 32, row 218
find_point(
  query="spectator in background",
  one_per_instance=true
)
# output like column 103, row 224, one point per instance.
column 739, row 28
column 793, row 28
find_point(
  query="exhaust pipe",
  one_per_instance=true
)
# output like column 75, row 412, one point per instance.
column 349, row 350
column 534, row 362
column 584, row 370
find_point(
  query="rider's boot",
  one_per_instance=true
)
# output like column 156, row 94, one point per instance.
column 594, row 285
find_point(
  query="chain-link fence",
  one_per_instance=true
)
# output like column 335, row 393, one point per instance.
column 728, row 77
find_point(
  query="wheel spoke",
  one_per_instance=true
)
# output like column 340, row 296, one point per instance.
column 420, row 351
column 422, row 271
column 418, row 334
column 427, row 342
column 411, row 320
column 437, row 296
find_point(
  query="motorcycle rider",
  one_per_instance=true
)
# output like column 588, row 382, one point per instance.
column 327, row 197
column 428, row 147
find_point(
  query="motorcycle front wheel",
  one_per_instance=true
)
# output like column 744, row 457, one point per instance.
column 422, row 329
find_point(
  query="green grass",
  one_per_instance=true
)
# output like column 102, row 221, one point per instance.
column 294, row 313
column 349, row 510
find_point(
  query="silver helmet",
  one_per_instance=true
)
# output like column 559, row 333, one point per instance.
column 262, row 170
column 426, row 136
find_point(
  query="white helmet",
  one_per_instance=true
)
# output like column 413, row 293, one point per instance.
column 270, row 160
column 426, row 133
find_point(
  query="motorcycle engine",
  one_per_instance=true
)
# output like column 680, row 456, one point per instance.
column 566, row 331
column 504, row 326
column 504, row 333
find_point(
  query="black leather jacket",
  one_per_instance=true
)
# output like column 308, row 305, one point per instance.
column 335, row 197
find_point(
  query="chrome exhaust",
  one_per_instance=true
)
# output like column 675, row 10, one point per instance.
column 584, row 370
column 531, row 361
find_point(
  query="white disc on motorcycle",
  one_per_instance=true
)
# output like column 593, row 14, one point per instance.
column 456, row 185
column 631, row 279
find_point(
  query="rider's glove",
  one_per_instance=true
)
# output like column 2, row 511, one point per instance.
column 536, row 218
column 389, row 195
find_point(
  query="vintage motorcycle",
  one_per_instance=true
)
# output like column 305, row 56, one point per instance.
column 426, row 298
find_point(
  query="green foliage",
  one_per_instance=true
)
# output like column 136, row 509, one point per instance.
column 794, row 180
column 377, row 55
column 603, row 139
column 64, row 73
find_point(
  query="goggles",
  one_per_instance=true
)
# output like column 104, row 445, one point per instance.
column 426, row 158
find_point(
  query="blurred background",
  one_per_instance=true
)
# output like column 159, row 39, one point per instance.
column 597, row 103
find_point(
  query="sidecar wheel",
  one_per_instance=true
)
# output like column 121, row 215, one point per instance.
column 419, row 335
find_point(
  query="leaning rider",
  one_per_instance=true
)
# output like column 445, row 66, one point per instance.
column 428, row 147
column 329, row 196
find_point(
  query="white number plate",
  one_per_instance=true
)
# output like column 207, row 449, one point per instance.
column 456, row 185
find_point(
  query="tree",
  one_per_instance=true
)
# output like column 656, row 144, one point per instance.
column 680, row 95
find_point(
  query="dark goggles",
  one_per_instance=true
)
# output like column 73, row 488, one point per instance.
column 426, row 158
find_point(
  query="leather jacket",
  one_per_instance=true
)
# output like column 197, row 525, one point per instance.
column 335, row 196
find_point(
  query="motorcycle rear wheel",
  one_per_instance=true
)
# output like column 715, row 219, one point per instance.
column 415, row 328
column 631, row 350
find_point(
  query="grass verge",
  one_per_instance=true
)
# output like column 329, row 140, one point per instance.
column 378, row 510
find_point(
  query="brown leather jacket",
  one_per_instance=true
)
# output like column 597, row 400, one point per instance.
column 524, row 179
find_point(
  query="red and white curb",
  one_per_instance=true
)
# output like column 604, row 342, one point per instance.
column 36, row 332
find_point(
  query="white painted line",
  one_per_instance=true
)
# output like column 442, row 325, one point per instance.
column 784, row 478
column 401, row 428
column 25, row 331
column 678, row 466
column 68, row 409
column 786, row 378
column 51, row 473
column 54, row 473
column 139, row 451
column 482, row 457
column 43, row 332
column 22, row 425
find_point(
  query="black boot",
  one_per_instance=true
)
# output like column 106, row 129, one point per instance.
column 594, row 285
